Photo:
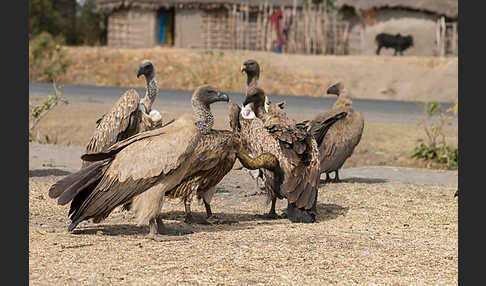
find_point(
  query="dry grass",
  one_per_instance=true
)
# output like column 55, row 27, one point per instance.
column 367, row 234
column 382, row 143
column 384, row 77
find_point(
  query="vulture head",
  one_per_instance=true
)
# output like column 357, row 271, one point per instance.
column 205, row 95
column 256, row 96
column 252, row 70
column 343, row 101
column 146, row 68
column 335, row 89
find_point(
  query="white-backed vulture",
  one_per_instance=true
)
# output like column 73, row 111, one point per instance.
column 128, row 116
column 342, row 138
column 181, row 158
column 293, row 145
column 252, row 70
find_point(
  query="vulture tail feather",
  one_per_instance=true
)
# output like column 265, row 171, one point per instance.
column 67, row 188
column 322, row 131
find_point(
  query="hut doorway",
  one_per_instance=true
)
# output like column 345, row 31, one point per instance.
column 166, row 26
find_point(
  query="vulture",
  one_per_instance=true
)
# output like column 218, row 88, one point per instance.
column 128, row 116
column 181, row 158
column 252, row 70
column 342, row 138
column 297, row 176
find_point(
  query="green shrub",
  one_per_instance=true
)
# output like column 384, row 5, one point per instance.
column 39, row 111
column 47, row 60
column 436, row 150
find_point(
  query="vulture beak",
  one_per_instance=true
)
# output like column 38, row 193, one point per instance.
column 334, row 89
column 247, row 100
column 222, row 97
column 140, row 72
column 243, row 68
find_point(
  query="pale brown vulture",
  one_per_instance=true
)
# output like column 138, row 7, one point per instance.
column 293, row 145
column 181, row 158
column 128, row 116
column 342, row 138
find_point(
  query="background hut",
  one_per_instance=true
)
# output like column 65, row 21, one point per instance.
column 432, row 23
column 302, row 27
column 184, row 23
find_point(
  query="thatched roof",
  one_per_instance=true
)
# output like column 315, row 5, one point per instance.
column 110, row 5
column 446, row 8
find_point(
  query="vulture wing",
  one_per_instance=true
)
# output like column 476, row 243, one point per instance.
column 113, row 125
column 296, row 151
column 142, row 161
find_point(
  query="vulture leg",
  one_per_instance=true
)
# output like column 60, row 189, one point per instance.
column 209, row 213
column 157, row 231
column 272, row 213
column 189, row 219
column 327, row 178
column 336, row 177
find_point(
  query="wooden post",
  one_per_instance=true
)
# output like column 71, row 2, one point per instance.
column 208, row 31
column 442, row 36
column 269, row 31
column 345, row 38
column 325, row 30
column 259, row 27
column 307, row 31
column 454, row 38
column 264, row 28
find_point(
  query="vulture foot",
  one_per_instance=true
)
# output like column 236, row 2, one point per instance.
column 157, row 231
column 257, row 193
column 298, row 215
column 189, row 219
column 270, row 216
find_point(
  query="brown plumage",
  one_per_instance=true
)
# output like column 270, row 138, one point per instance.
column 295, row 148
column 182, row 158
column 128, row 116
column 252, row 70
column 342, row 138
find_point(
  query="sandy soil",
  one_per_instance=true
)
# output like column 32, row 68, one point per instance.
column 371, row 229
column 367, row 233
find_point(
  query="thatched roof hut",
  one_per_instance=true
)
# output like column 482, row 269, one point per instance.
column 447, row 8
column 419, row 18
column 185, row 23
column 110, row 5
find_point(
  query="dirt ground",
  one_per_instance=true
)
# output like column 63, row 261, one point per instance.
column 368, row 232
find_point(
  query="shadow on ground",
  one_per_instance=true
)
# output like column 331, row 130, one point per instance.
column 47, row 172
column 357, row 180
column 330, row 211
column 223, row 222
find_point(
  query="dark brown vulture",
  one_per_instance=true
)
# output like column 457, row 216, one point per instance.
column 342, row 138
column 181, row 158
column 128, row 116
column 292, row 144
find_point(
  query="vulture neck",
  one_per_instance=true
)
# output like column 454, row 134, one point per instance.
column 251, row 82
column 204, row 117
column 151, row 92
column 259, row 110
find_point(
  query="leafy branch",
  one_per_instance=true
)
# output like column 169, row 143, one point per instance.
column 38, row 112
